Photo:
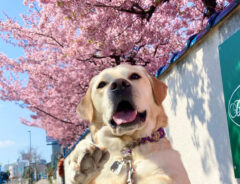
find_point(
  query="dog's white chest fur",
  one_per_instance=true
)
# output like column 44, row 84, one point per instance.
column 162, row 165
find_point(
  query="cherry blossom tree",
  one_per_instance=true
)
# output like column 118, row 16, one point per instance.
column 66, row 42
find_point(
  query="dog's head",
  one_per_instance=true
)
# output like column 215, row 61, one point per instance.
column 126, row 99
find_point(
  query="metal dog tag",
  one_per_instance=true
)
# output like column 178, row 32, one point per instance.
column 117, row 167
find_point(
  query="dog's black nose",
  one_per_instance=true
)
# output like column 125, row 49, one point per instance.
column 119, row 84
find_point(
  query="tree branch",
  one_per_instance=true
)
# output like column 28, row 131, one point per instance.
column 134, row 9
column 54, row 39
column 210, row 6
column 52, row 116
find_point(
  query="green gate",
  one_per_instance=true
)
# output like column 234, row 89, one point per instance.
column 229, row 52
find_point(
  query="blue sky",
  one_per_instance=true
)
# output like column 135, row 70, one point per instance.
column 14, row 136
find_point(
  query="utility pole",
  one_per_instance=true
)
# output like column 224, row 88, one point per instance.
column 30, row 150
column 30, row 158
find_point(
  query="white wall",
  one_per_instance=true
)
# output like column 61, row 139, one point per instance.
column 195, row 107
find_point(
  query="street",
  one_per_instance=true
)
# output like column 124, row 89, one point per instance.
column 44, row 181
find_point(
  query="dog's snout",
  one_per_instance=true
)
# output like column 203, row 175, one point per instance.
column 120, row 89
column 119, row 84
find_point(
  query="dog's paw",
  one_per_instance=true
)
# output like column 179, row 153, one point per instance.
column 86, row 161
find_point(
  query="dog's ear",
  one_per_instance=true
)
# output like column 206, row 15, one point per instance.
column 159, row 90
column 85, row 107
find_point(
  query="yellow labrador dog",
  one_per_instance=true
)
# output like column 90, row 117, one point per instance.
column 124, row 107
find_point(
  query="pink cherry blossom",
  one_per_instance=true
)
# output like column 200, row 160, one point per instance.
column 66, row 42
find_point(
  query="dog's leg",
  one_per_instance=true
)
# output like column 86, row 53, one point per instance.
column 86, row 162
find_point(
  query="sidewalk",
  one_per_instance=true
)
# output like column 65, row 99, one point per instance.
column 17, row 181
column 44, row 181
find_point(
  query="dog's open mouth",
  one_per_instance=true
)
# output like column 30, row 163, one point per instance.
column 126, row 115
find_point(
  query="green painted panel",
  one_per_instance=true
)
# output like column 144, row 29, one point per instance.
column 229, row 52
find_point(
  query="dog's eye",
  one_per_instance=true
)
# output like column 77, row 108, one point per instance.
column 134, row 76
column 101, row 84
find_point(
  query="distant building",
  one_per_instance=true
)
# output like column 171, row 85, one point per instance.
column 12, row 168
column 41, row 171
column 16, row 169
column 56, row 150
column 42, row 161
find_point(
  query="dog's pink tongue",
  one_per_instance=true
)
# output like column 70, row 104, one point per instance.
column 124, row 117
